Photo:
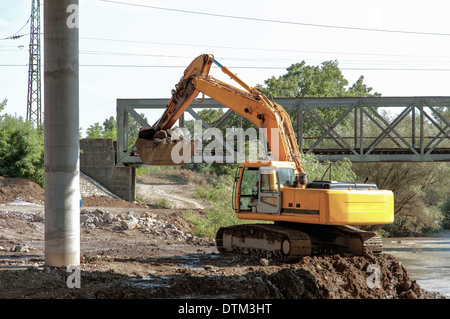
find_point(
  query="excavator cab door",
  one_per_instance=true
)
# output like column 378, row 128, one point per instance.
column 269, row 192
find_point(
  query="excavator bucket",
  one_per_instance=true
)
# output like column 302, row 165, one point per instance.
column 162, row 149
column 157, row 145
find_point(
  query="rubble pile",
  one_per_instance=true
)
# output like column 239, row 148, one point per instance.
column 145, row 222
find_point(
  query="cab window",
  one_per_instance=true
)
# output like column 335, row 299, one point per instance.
column 249, row 187
column 268, row 180
column 286, row 176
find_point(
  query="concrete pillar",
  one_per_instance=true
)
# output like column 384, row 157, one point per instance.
column 61, row 128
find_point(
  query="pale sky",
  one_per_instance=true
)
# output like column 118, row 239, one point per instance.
column 128, row 51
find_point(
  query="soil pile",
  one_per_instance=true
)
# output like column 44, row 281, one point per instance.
column 153, row 255
column 136, row 251
column 20, row 190
column 106, row 201
column 312, row 278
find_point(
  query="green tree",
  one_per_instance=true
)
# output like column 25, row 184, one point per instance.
column 303, row 80
column 3, row 105
column 21, row 148
column 412, row 183
column 326, row 80
column 340, row 171
column 445, row 210
column 95, row 131
column 109, row 129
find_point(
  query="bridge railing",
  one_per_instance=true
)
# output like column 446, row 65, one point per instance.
column 375, row 128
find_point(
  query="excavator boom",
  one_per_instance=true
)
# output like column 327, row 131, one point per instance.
column 185, row 93
column 248, row 102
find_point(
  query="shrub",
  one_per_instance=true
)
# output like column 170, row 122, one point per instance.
column 21, row 149
column 445, row 210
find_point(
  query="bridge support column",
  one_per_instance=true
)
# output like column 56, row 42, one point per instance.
column 61, row 129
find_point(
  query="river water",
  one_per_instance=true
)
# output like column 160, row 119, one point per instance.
column 427, row 260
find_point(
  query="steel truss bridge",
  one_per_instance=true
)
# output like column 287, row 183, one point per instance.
column 362, row 129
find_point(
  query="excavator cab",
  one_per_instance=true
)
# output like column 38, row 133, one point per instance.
column 258, row 187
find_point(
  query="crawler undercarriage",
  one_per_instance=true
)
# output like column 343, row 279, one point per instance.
column 289, row 242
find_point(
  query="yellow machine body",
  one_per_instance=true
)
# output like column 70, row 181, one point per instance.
column 358, row 205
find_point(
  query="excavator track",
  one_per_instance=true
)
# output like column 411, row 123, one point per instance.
column 261, row 240
column 288, row 242
column 342, row 239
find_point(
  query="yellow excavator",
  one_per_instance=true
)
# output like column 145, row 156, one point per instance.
column 307, row 217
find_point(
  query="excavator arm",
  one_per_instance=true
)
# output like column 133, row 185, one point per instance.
column 248, row 102
column 184, row 92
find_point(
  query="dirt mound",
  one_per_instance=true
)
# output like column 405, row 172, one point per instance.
column 319, row 277
column 129, row 251
column 359, row 277
column 20, row 189
column 325, row 277
column 106, row 201
column 216, row 276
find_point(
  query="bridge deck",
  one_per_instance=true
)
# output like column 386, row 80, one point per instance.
column 418, row 129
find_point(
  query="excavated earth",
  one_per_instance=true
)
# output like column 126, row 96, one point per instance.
column 133, row 251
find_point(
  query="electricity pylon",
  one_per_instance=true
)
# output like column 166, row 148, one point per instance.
column 34, row 113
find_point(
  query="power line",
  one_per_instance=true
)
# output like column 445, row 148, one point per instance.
column 16, row 36
column 278, row 21
column 252, row 60
column 262, row 60
column 259, row 67
column 265, row 60
column 240, row 67
column 258, row 49
column 13, row 37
